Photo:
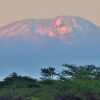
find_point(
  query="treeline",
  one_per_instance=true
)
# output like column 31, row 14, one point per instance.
column 72, row 83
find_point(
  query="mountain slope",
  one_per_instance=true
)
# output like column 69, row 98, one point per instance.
column 29, row 44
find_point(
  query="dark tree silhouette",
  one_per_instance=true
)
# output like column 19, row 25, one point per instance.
column 19, row 80
column 48, row 73
column 74, row 71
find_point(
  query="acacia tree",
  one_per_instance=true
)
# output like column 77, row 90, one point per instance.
column 74, row 71
column 48, row 73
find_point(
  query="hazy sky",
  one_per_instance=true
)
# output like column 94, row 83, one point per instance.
column 12, row 10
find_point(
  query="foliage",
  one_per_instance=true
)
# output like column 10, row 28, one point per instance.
column 86, row 71
column 48, row 73
column 74, row 83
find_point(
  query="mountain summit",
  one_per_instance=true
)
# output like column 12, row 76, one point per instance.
column 65, row 28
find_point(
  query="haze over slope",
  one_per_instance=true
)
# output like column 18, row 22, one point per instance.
column 28, row 45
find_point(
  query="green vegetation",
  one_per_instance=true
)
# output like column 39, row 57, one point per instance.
column 72, row 83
